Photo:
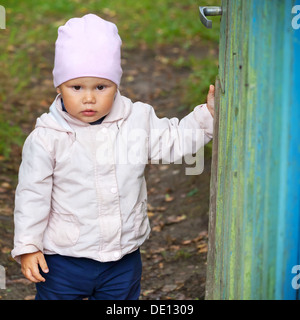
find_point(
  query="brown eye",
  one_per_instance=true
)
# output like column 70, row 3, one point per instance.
column 76, row 88
column 100, row 87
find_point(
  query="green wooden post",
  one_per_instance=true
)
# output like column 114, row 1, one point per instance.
column 255, row 185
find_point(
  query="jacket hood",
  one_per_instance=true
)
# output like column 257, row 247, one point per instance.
column 59, row 120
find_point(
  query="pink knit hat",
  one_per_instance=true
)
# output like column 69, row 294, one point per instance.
column 87, row 47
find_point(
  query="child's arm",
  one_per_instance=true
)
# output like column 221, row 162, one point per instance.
column 32, row 200
column 171, row 139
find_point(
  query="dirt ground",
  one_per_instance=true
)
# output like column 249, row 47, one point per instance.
column 174, row 257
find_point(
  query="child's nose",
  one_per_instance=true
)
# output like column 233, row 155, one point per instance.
column 89, row 97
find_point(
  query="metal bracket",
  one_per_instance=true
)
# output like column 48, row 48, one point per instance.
column 209, row 11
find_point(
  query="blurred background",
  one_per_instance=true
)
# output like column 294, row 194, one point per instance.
column 169, row 60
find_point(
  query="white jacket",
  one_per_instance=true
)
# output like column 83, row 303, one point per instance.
column 82, row 190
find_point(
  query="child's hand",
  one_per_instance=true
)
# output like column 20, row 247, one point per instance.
column 211, row 100
column 29, row 266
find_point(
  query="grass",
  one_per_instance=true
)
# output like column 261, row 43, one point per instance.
column 31, row 30
column 197, row 84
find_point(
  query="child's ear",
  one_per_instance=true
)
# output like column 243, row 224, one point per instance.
column 58, row 90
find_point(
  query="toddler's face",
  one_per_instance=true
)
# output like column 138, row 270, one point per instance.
column 88, row 98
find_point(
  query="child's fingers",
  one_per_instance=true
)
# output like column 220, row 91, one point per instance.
column 211, row 94
column 43, row 264
column 33, row 275
column 36, row 274
column 211, row 99
column 27, row 273
column 211, row 89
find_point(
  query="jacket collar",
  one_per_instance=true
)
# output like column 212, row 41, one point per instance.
column 118, row 110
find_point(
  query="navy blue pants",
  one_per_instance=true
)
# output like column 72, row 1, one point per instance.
column 77, row 278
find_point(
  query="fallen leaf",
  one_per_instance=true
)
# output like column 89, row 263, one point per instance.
column 168, row 198
column 155, row 209
column 6, row 250
column 146, row 292
column 175, row 247
column 186, row 242
column 174, row 219
column 162, row 59
column 169, row 287
column 152, row 191
column 133, row 72
column 149, row 207
column 157, row 258
column 157, row 228
column 150, row 214
column 179, row 285
column 6, row 185
column 202, row 248
column 130, row 79
column 202, row 235
column 159, row 250
column 160, row 209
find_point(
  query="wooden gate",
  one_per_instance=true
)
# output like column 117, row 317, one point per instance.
column 254, row 224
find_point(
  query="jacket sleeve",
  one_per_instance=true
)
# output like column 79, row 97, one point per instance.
column 33, row 197
column 171, row 139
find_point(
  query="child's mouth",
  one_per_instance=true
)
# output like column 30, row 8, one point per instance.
column 89, row 113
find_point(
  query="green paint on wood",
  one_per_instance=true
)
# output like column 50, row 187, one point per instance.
column 244, row 259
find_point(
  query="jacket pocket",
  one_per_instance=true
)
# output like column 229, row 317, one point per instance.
column 63, row 229
column 141, row 221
